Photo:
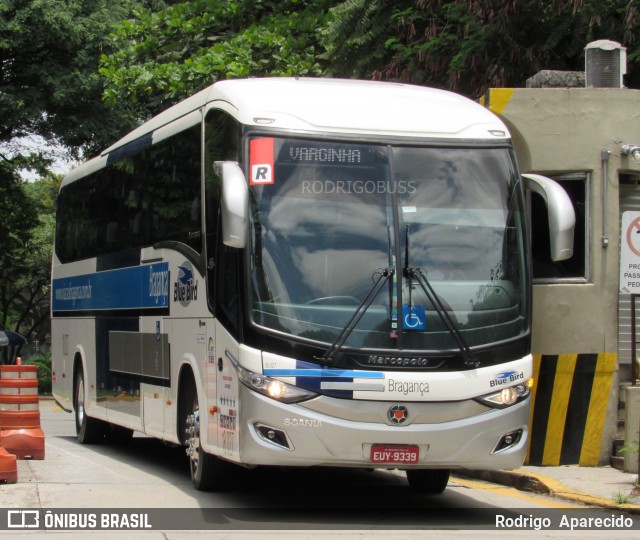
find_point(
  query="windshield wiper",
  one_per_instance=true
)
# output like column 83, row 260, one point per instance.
column 417, row 273
column 384, row 274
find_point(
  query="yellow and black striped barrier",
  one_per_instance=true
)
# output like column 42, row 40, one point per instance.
column 569, row 407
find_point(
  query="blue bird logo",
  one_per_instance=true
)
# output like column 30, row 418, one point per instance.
column 505, row 374
column 186, row 275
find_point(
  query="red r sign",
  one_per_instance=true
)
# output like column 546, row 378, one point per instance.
column 261, row 161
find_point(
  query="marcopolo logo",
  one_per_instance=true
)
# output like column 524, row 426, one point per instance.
column 506, row 377
column 185, row 288
column 398, row 414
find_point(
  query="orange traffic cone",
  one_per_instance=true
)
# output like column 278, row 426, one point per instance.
column 8, row 467
column 20, row 431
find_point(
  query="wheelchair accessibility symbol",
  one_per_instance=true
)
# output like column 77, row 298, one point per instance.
column 414, row 317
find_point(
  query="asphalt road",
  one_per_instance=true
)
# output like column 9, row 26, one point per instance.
column 148, row 477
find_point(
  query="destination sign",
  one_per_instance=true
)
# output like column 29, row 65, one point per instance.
column 326, row 153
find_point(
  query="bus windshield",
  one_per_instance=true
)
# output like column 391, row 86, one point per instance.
column 328, row 218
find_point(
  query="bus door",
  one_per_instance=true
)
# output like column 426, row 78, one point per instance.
column 155, row 367
column 154, row 342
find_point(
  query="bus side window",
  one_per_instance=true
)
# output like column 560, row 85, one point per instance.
column 228, row 288
column 172, row 169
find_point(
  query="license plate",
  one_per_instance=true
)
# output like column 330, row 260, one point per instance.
column 381, row 453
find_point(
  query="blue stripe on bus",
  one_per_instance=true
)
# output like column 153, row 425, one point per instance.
column 138, row 287
column 328, row 372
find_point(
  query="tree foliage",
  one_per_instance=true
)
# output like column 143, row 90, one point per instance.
column 50, row 89
column 463, row 45
column 163, row 56
column 26, row 241
column 354, row 37
column 17, row 211
column 49, row 83
column 470, row 45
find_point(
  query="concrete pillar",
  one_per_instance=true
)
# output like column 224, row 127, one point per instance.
column 632, row 428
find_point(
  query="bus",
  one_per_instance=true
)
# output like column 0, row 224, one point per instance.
column 303, row 272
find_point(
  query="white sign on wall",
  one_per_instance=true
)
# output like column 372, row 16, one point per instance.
column 630, row 253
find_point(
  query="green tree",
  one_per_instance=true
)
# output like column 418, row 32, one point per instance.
column 50, row 89
column 464, row 45
column 470, row 45
column 49, row 84
column 354, row 36
column 17, row 214
column 26, row 241
column 164, row 56
column 34, row 284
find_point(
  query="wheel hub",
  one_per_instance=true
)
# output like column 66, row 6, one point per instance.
column 192, row 432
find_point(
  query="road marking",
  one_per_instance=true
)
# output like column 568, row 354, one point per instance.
column 509, row 492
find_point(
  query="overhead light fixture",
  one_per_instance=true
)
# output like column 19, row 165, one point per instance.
column 632, row 150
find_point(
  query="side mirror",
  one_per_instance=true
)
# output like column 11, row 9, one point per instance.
column 235, row 203
column 562, row 217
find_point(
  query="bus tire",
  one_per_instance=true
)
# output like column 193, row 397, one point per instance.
column 208, row 472
column 431, row 481
column 88, row 430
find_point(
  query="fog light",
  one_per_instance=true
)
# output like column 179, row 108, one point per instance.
column 508, row 440
column 273, row 436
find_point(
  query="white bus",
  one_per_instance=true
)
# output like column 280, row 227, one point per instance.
column 302, row 272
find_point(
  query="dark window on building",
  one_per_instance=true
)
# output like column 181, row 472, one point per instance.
column 577, row 267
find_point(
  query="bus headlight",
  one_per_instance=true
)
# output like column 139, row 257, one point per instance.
column 272, row 388
column 505, row 397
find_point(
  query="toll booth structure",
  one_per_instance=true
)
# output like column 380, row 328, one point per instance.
column 585, row 403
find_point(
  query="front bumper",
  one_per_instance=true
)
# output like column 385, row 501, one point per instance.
column 316, row 438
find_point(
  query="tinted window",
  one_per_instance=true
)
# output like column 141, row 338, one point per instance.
column 137, row 200
column 222, row 143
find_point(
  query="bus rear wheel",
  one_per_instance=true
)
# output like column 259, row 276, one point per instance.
column 208, row 472
column 88, row 430
column 432, row 481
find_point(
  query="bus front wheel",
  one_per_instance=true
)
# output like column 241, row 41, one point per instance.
column 432, row 481
column 88, row 430
column 208, row 472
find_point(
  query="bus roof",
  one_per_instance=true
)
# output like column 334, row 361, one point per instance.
column 340, row 106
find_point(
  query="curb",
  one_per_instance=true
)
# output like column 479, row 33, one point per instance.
column 538, row 483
